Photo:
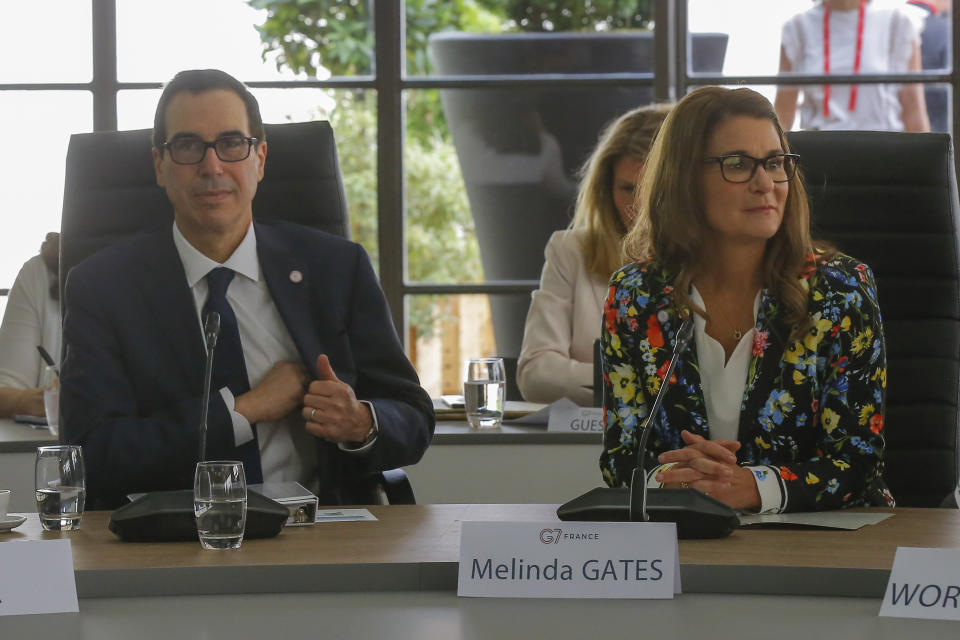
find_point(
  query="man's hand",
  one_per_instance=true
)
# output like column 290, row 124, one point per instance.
column 331, row 409
column 27, row 402
column 277, row 395
column 710, row 466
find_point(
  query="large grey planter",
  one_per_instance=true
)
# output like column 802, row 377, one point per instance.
column 519, row 149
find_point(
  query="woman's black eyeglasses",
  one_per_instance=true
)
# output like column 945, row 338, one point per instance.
column 739, row 167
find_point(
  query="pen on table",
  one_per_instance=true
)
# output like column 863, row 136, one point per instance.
column 46, row 358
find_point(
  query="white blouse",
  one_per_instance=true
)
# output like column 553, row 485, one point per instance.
column 722, row 381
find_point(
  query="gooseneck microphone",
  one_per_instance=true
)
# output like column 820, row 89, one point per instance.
column 696, row 514
column 168, row 516
column 211, row 331
column 638, row 482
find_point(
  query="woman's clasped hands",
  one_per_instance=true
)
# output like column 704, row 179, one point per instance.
column 710, row 466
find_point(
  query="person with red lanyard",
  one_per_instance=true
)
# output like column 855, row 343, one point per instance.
column 852, row 37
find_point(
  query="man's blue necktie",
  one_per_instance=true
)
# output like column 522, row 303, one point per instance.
column 229, row 368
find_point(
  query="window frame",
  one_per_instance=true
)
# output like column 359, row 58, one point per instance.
column 670, row 80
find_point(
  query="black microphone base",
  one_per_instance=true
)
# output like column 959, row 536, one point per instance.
column 167, row 516
column 697, row 515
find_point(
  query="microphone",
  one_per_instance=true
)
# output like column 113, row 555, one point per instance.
column 211, row 331
column 638, row 494
column 696, row 514
column 168, row 516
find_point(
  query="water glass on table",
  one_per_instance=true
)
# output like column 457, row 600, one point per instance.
column 61, row 485
column 51, row 407
column 484, row 387
column 220, row 503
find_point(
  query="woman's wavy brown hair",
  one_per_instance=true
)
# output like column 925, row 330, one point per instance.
column 630, row 135
column 672, row 227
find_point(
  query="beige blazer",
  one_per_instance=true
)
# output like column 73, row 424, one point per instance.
column 556, row 358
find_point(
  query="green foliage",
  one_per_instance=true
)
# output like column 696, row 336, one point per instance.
column 354, row 122
column 441, row 239
column 578, row 15
column 338, row 34
column 314, row 37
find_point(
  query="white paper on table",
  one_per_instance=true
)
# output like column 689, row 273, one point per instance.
column 542, row 416
column 344, row 515
column 820, row 519
column 37, row 577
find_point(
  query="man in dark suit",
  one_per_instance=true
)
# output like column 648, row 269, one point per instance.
column 310, row 381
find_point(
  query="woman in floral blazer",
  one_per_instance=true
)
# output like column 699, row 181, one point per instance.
column 728, row 243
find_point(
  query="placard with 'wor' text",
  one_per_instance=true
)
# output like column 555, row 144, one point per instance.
column 924, row 583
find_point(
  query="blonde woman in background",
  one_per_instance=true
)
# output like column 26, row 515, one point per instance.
column 556, row 359
column 31, row 318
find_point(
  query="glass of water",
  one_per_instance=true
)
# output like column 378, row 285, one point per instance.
column 51, row 407
column 61, row 484
column 220, row 503
column 484, row 386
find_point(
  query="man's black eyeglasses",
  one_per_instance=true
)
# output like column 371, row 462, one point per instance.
column 191, row 150
column 739, row 167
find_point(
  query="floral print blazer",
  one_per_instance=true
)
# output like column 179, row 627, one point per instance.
column 812, row 410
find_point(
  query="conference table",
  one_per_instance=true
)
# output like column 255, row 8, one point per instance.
column 396, row 577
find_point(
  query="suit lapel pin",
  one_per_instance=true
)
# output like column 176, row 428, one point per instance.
column 296, row 277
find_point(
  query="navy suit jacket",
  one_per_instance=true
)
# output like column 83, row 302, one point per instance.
column 132, row 375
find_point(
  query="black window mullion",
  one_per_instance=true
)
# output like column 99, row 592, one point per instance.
column 104, row 84
column 391, row 238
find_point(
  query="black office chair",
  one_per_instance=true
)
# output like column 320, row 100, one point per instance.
column 890, row 200
column 111, row 193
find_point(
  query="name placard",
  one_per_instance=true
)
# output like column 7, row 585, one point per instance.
column 567, row 416
column 924, row 583
column 569, row 560
column 36, row 576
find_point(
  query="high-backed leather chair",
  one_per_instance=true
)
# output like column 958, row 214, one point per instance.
column 890, row 200
column 111, row 193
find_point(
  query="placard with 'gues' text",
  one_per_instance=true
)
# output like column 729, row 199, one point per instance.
column 36, row 576
column 567, row 416
column 569, row 560
column 924, row 583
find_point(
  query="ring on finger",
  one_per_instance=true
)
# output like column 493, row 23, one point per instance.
column 312, row 414
column 684, row 484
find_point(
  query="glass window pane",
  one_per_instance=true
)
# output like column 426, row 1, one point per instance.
column 443, row 331
column 513, row 38
column 154, row 41
column 135, row 109
column 31, row 193
column 516, row 153
column 752, row 45
column 352, row 114
column 939, row 102
column 36, row 47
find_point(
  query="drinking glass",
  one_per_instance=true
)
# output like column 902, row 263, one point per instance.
column 61, row 485
column 484, row 386
column 220, row 503
column 51, row 406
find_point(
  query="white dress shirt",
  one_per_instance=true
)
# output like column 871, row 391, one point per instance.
column 722, row 383
column 287, row 451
